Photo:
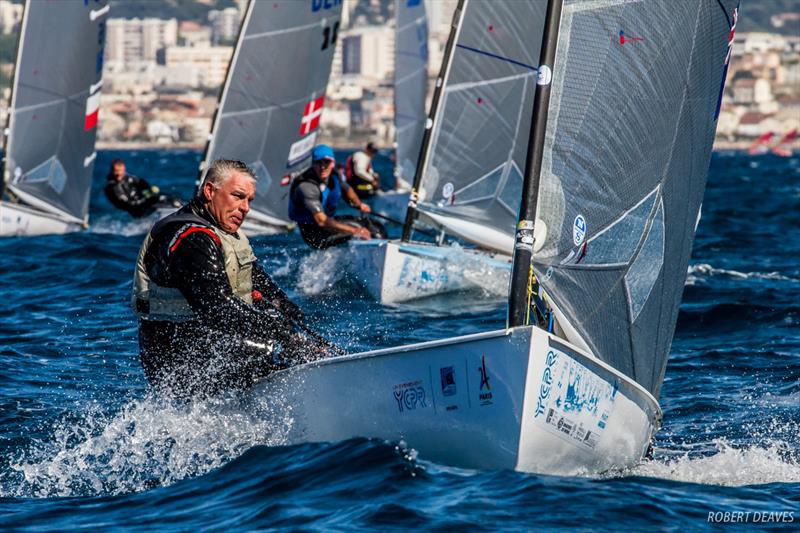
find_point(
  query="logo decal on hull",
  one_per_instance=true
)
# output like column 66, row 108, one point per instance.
column 409, row 396
column 485, row 393
column 448, row 375
column 547, row 381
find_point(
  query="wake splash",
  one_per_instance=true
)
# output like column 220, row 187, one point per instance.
column 701, row 272
column 109, row 225
column 728, row 466
column 321, row 270
column 149, row 443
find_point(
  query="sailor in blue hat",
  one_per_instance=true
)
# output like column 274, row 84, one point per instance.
column 314, row 197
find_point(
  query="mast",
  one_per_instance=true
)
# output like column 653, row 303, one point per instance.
column 411, row 212
column 4, row 173
column 522, row 273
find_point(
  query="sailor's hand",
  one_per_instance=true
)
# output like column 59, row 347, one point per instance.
column 155, row 190
column 364, row 208
column 362, row 233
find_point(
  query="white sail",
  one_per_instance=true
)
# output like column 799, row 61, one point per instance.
column 630, row 128
column 274, row 95
column 49, row 151
column 473, row 170
column 410, row 84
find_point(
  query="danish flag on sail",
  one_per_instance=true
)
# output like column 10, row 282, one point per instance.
column 92, row 110
column 311, row 115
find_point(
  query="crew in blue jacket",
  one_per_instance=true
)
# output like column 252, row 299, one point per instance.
column 313, row 199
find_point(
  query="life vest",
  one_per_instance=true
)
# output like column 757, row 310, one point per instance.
column 154, row 302
column 329, row 200
column 349, row 171
column 354, row 180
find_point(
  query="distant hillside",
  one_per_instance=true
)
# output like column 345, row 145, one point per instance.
column 755, row 16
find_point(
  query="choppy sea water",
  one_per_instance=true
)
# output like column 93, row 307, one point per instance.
column 83, row 445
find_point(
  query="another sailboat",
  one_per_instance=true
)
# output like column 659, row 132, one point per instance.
column 410, row 89
column 616, row 167
column 52, row 126
column 469, row 173
column 273, row 99
column 761, row 145
column 783, row 147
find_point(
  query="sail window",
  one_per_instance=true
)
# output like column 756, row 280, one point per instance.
column 512, row 190
column 617, row 242
column 644, row 270
column 482, row 188
column 50, row 171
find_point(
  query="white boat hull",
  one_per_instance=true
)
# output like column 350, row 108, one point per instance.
column 18, row 220
column 517, row 399
column 395, row 271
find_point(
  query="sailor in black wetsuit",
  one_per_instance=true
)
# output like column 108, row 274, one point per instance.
column 210, row 317
column 133, row 194
column 314, row 197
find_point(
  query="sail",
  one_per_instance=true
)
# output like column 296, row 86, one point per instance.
column 274, row 95
column 761, row 145
column 783, row 147
column 631, row 122
column 54, row 106
column 410, row 84
column 473, row 171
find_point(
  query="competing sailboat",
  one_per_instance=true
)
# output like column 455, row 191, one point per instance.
column 410, row 89
column 761, row 145
column 783, row 147
column 49, row 146
column 615, row 168
column 469, row 174
column 270, row 107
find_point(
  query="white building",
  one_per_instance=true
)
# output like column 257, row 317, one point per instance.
column 757, row 42
column 365, row 53
column 161, row 132
column 194, row 34
column 224, row 23
column 440, row 15
column 10, row 16
column 134, row 78
column 129, row 40
column 211, row 62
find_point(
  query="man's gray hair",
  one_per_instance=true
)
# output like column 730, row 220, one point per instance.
column 220, row 170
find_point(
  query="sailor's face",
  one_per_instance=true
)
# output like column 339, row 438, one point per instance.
column 230, row 203
column 119, row 171
column 324, row 168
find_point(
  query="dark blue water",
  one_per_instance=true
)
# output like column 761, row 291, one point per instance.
column 82, row 445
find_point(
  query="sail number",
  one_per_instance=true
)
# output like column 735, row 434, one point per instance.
column 316, row 5
column 329, row 34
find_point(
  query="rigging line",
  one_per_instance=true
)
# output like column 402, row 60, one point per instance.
column 725, row 11
column 412, row 75
column 495, row 56
column 277, row 105
column 416, row 22
column 281, row 32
